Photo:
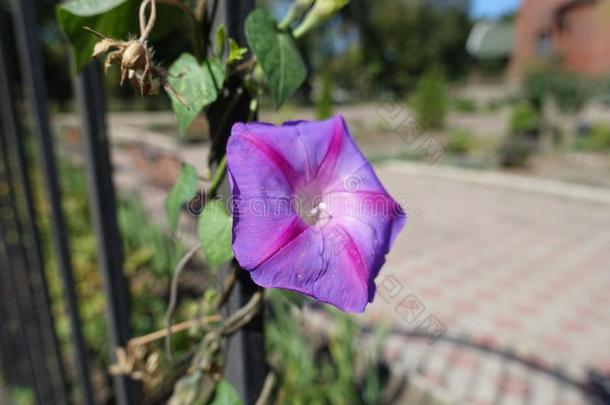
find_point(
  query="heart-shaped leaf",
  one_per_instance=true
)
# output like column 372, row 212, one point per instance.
column 215, row 233
column 185, row 188
column 195, row 85
column 277, row 53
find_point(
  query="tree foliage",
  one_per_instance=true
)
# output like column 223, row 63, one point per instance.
column 430, row 100
column 394, row 42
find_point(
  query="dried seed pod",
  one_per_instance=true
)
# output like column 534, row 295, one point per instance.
column 147, row 84
column 135, row 56
column 135, row 60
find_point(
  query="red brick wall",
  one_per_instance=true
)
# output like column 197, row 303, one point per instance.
column 583, row 44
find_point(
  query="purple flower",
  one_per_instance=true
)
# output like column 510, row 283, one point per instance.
column 309, row 213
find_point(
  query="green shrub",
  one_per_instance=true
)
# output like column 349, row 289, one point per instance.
column 430, row 100
column 515, row 151
column 536, row 85
column 326, row 370
column 524, row 120
column 570, row 91
column 460, row 142
column 465, row 105
column 599, row 138
column 492, row 106
column 22, row 396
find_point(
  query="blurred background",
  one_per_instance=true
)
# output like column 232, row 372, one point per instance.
column 488, row 120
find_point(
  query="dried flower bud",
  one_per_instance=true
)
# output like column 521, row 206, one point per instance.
column 105, row 45
column 135, row 60
column 134, row 56
column 144, row 83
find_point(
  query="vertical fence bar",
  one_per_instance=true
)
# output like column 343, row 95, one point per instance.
column 245, row 365
column 14, row 287
column 31, row 241
column 31, row 64
column 13, row 327
column 90, row 96
column 7, row 358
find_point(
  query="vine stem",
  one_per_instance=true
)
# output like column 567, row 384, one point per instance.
column 218, row 176
column 226, row 289
column 265, row 395
column 174, row 296
column 179, row 327
column 247, row 65
column 244, row 315
column 147, row 26
column 200, row 10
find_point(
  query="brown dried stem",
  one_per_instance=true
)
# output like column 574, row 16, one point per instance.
column 179, row 327
column 244, row 315
column 146, row 26
column 173, row 297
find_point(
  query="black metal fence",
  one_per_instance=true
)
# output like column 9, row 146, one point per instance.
column 30, row 353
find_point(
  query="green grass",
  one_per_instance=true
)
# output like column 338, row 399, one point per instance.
column 465, row 105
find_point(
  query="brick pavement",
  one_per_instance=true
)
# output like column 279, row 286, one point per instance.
column 509, row 262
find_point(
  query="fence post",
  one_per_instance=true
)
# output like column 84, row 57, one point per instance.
column 91, row 99
column 31, row 65
column 245, row 365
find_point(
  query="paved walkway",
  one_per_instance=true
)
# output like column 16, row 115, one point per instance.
column 508, row 262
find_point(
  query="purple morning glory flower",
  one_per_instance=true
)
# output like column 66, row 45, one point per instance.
column 309, row 213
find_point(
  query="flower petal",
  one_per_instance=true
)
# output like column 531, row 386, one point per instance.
column 307, row 265
column 302, row 143
column 331, row 247
column 263, row 208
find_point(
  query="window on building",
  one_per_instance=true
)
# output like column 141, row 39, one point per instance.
column 543, row 44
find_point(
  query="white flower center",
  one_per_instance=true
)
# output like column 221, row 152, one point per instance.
column 315, row 213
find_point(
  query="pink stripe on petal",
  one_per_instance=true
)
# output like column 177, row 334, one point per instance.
column 276, row 158
column 296, row 228
column 354, row 255
column 326, row 170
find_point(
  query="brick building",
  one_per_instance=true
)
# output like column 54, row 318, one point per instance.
column 574, row 32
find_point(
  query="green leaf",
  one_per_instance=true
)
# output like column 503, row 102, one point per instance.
column 225, row 394
column 277, row 53
column 185, row 188
column 87, row 8
column 221, row 41
column 112, row 18
column 236, row 53
column 196, row 85
column 215, row 233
